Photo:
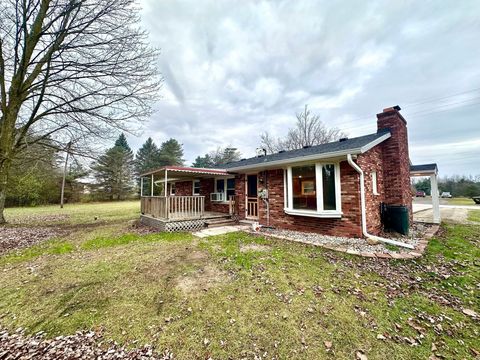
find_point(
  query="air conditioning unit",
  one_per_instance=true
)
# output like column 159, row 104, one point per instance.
column 217, row 197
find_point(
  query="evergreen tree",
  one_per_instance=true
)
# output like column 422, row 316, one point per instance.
column 217, row 157
column 203, row 162
column 114, row 171
column 122, row 142
column 171, row 153
column 148, row 157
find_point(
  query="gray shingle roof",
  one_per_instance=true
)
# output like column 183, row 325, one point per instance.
column 323, row 149
column 423, row 167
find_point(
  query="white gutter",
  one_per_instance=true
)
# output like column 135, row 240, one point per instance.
column 364, row 215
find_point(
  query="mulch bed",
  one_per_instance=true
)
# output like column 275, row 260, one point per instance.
column 82, row 345
column 15, row 238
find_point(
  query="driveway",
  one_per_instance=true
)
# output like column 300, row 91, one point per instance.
column 423, row 212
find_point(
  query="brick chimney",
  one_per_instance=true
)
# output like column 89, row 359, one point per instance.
column 396, row 160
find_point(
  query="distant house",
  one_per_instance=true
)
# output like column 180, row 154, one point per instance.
column 335, row 188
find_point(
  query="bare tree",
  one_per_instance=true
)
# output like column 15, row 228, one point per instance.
column 309, row 130
column 70, row 68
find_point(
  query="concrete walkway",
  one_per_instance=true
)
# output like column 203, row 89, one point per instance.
column 421, row 207
column 220, row 230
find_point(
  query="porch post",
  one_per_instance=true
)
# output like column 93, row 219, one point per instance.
column 151, row 187
column 167, row 200
column 435, row 199
column 141, row 186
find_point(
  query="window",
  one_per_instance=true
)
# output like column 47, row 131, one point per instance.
column 313, row 190
column 374, row 183
column 226, row 187
column 196, row 187
column 172, row 189
column 230, row 188
column 329, row 191
column 304, row 194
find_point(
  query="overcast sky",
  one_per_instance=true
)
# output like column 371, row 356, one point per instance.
column 233, row 69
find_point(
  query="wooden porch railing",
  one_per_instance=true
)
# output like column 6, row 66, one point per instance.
column 173, row 207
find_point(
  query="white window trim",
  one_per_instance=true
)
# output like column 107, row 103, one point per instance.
column 225, row 201
column 320, row 212
column 193, row 187
column 374, row 183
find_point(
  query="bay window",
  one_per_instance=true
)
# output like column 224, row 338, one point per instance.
column 313, row 190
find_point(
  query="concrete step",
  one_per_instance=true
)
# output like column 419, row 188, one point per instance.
column 220, row 222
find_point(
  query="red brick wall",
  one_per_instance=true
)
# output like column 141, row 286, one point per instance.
column 350, row 223
column 207, row 186
column 184, row 188
column 369, row 162
column 396, row 159
column 240, row 193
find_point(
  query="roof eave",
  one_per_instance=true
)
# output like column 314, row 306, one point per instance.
column 313, row 157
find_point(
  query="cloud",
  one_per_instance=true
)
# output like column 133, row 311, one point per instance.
column 235, row 69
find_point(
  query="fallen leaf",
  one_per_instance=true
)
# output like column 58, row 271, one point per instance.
column 328, row 345
column 469, row 312
column 360, row 355
column 381, row 337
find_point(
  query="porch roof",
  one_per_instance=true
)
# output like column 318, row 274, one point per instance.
column 423, row 170
column 182, row 171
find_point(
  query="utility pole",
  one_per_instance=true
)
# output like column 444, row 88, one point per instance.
column 65, row 173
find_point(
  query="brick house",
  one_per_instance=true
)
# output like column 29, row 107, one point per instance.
column 335, row 188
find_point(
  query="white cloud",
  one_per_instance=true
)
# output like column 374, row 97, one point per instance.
column 235, row 69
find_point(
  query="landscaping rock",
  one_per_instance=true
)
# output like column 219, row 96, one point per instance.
column 355, row 246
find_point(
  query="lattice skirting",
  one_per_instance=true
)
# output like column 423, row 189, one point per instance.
column 188, row 225
column 173, row 226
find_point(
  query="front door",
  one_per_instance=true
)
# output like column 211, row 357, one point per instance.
column 252, row 197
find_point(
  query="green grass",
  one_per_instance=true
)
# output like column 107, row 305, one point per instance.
column 474, row 215
column 460, row 201
column 246, row 295
column 52, row 247
column 74, row 214
column 103, row 242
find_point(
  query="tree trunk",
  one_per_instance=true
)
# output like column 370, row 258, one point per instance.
column 4, row 168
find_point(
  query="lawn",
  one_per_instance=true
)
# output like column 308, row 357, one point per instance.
column 474, row 215
column 460, row 201
column 74, row 214
column 240, row 296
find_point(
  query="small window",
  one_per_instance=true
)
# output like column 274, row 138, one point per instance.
column 172, row 189
column 374, row 183
column 230, row 188
column 196, row 187
column 220, row 187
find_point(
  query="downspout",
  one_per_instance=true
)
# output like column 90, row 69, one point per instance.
column 364, row 211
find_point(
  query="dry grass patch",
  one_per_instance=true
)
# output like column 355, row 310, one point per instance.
column 204, row 278
column 254, row 247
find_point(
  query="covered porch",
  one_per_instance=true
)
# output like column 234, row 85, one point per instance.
column 174, row 193
column 431, row 171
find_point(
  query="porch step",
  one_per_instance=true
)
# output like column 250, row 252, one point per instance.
column 224, row 221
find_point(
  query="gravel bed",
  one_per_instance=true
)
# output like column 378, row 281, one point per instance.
column 82, row 345
column 354, row 244
column 15, row 238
